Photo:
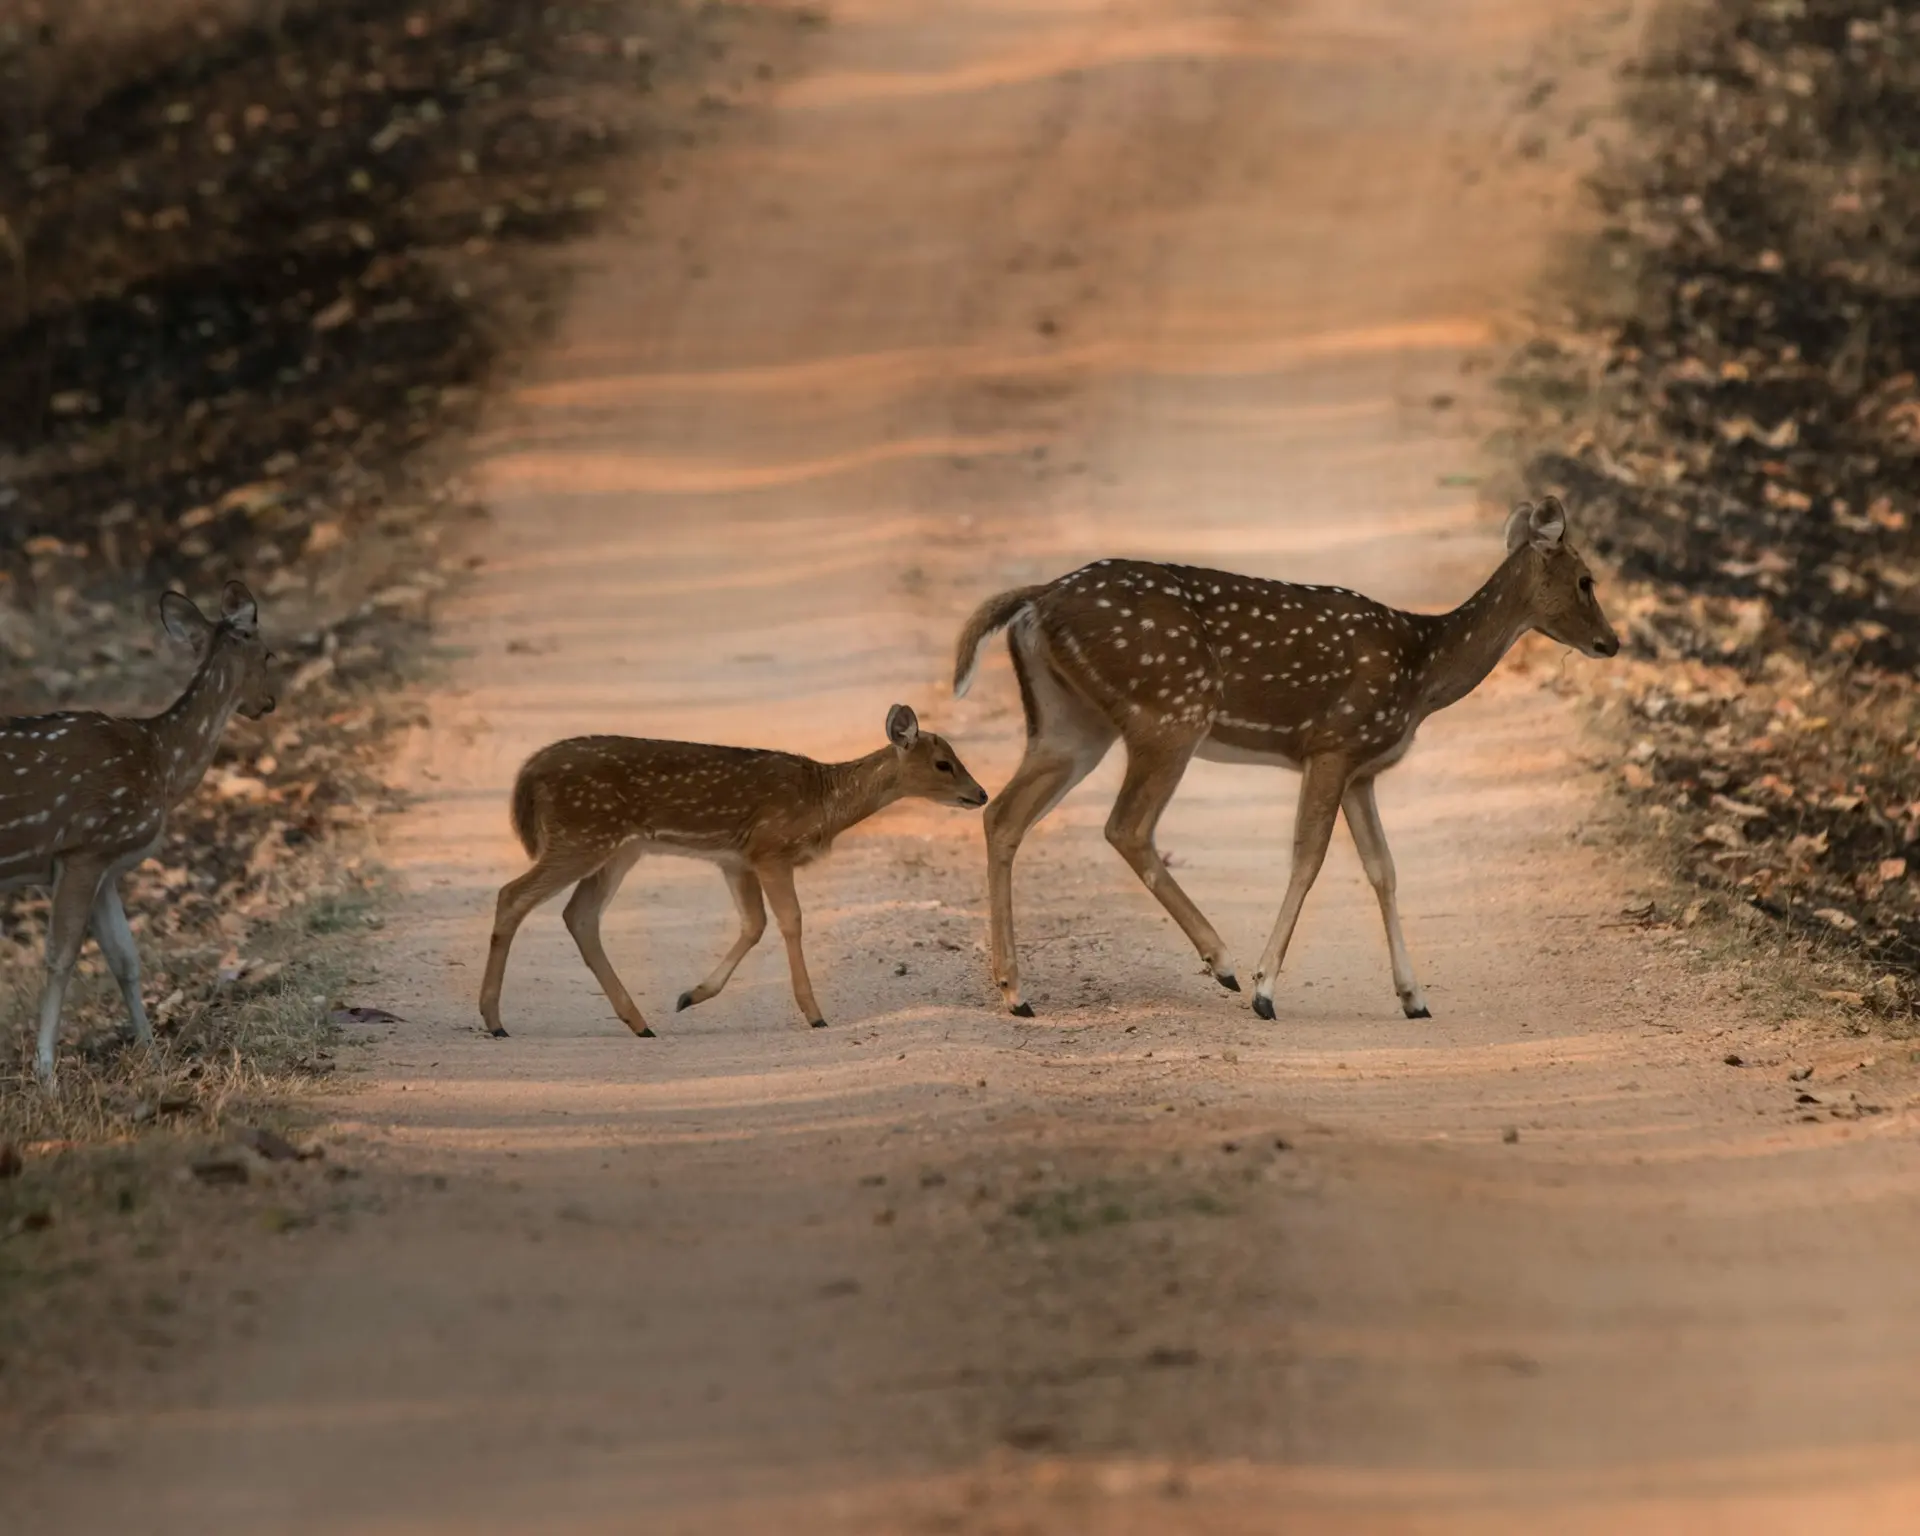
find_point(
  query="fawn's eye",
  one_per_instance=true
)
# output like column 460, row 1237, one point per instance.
column 1586, row 585
column 944, row 766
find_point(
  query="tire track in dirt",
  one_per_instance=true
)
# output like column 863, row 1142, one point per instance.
column 934, row 1268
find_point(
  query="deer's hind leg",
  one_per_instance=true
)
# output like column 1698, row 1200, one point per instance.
column 582, row 917
column 555, row 870
column 115, row 937
column 1155, row 766
column 1066, row 738
column 745, row 885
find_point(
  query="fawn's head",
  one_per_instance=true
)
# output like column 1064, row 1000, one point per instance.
column 1560, row 595
column 929, row 767
column 237, row 634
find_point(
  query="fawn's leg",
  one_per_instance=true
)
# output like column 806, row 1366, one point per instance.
column 74, row 885
column 582, row 918
column 556, row 870
column 745, row 885
column 1363, row 821
column 777, row 881
column 115, row 937
column 1154, row 772
column 1321, row 787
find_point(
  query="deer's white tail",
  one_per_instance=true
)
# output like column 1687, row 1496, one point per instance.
column 992, row 616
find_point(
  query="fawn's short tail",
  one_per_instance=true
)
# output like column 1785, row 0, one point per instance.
column 525, row 811
column 992, row 616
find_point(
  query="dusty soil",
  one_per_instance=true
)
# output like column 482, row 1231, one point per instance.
column 984, row 291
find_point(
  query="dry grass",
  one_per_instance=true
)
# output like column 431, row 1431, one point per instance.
column 101, row 1222
column 1729, row 404
column 226, row 1051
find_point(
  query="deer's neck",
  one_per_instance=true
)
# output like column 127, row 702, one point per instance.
column 187, row 735
column 854, row 791
column 1469, row 642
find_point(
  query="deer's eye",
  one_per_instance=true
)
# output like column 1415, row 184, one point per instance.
column 1586, row 585
column 944, row 766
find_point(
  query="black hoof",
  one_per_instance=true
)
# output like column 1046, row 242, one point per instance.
column 1230, row 981
column 683, row 1002
column 817, row 1023
column 498, row 1034
column 646, row 1034
column 1263, row 1006
column 1419, row 1013
column 1021, row 1010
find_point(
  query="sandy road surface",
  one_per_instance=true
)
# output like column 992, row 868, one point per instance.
column 985, row 290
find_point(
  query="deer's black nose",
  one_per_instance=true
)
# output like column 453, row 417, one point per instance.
column 1609, row 646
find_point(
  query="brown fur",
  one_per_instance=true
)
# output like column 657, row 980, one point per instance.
column 521, row 810
column 84, row 796
column 587, row 808
column 1180, row 661
column 992, row 616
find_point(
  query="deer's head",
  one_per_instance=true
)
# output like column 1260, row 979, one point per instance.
column 929, row 767
column 1560, row 595
column 235, row 636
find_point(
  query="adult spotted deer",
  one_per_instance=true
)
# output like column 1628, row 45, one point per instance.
column 587, row 808
column 1181, row 662
column 84, row 797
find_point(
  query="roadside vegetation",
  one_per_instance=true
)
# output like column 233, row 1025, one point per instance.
column 261, row 262
column 1734, row 409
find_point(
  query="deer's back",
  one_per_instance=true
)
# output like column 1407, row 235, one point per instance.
column 602, row 791
column 70, row 782
column 1276, row 668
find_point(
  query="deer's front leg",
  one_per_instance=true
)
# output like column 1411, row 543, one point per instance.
column 745, row 886
column 1370, row 839
column 777, row 881
column 1321, row 786
column 115, row 937
column 74, row 886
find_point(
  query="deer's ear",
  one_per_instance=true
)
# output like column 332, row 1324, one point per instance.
column 239, row 609
column 903, row 726
column 182, row 620
column 1547, row 527
column 1517, row 522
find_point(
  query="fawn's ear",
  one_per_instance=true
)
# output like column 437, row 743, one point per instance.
column 1544, row 526
column 239, row 609
column 903, row 726
column 183, row 621
column 1517, row 521
column 1549, row 523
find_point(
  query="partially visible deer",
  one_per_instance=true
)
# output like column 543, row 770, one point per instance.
column 84, row 797
column 1181, row 662
column 587, row 808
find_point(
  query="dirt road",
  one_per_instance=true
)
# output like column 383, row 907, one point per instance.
column 984, row 290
